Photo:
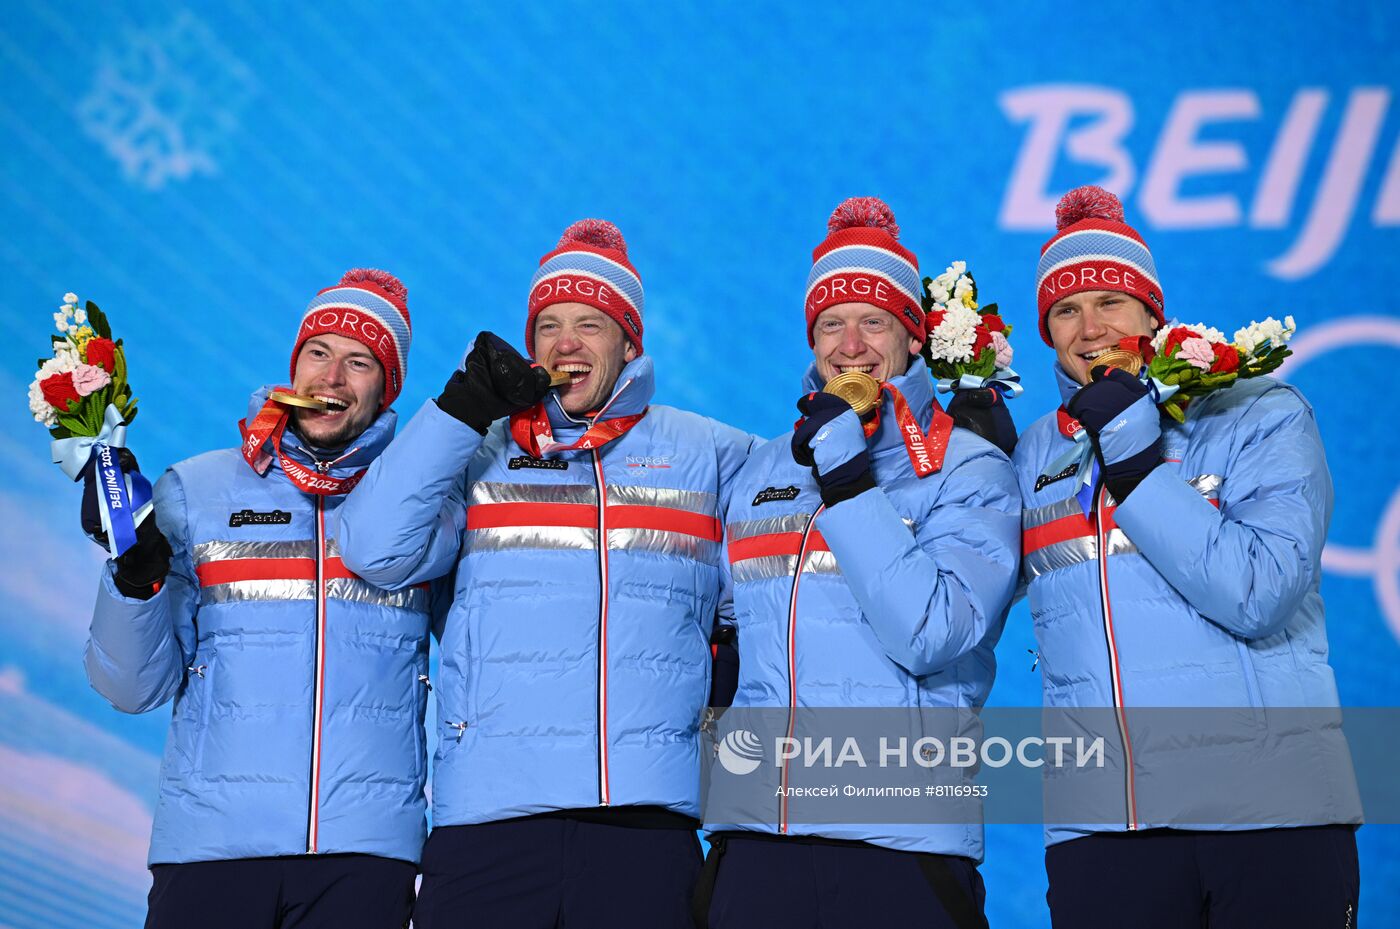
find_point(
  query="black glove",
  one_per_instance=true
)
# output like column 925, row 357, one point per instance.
column 983, row 412
column 1123, row 422
column 92, row 495
column 144, row 565
column 494, row 381
column 724, row 679
column 831, row 441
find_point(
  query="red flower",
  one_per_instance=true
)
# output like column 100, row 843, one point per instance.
column 59, row 391
column 103, row 353
column 984, row 338
column 1178, row 335
column 994, row 323
column 1141, row 345
column 1226, row 359
column 934, row 320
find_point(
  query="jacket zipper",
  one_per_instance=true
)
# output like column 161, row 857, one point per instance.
column 1101, row 544
column 603, row 792
column 792, row 666
column 319, row 673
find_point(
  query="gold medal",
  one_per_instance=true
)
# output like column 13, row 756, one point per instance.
column 287, row 398
column 858, row 389
column 558, row 378
column 1118, row 358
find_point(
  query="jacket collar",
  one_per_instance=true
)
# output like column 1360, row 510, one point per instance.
column 358, row 454
column 1067, row 384
column 917, row 387
column 631, row 394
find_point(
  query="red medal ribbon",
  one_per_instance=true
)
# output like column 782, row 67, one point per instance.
column 269, row 424
column 926, row 449
column 1069, row 426
column 532, row 432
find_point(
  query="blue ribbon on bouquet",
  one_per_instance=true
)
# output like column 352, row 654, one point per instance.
column 1004, row 381
column 125, row 498
column 1081, row 453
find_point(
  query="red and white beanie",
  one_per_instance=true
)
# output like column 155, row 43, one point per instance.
column 861, row 261
column 1094, row 249
column 371, row 307
column 590, row 266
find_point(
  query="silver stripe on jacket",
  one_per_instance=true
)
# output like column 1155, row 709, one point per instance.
column 1085, row 548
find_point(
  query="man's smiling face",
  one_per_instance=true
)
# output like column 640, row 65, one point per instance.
column 1085, row 325
column 348, row 377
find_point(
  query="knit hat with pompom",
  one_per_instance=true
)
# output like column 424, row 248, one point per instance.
column 1094, row 249
column 861, row 261
column 371, row 307
column 589, row 265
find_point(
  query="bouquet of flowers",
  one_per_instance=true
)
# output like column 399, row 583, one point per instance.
column 81, row 394
column 1188, row 361
column 967, row 346
column 87, row 372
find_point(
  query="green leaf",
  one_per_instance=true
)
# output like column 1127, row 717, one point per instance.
column 58, row 432
column 73, row 424
column 98, row 320
column 991, row 309
column 1175, row 410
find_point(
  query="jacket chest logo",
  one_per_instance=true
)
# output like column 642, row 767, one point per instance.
column 542, row 464
column 247, row 517
column 1045, row 480
column 773, row 494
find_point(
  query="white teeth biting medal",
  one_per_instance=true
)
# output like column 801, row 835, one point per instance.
column 287, row 398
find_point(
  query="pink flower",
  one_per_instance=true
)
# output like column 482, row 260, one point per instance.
column 1198, row 352
column 1003, row 349
column 90, row 378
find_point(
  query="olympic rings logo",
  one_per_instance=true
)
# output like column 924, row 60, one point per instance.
column 1382, row 561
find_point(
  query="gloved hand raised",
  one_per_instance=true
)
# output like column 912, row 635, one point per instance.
column 831, row 441
column 1118, row 412
column 494, row 381
column 983, row 412
column 143, row 566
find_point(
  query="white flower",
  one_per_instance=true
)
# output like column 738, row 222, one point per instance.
column 80, row 317
column 70, row 298
column 43, row 413
column 1262, row 336
column 958, row 268
column 962, row 288
column 953, row 338
column 61, row 323
column 64, row 359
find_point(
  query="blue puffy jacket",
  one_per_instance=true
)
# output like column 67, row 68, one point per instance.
column 901, row 597
column 1200, row 590
column 574, row 674
column 299, row 688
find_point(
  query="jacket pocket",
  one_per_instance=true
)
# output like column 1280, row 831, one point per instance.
column 422, row 686
column 201, row 684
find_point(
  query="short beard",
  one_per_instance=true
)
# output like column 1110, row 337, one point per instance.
column 348, row 432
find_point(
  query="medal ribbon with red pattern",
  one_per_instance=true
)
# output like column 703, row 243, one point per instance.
column 926, row 450
column 269, row 424
column 533, row 433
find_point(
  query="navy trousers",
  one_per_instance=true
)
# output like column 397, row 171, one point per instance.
column 542, row 872
column 1173, row 879
column 769, row 883
column 295, row 892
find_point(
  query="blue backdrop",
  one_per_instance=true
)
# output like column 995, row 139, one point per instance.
column 201, row 171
